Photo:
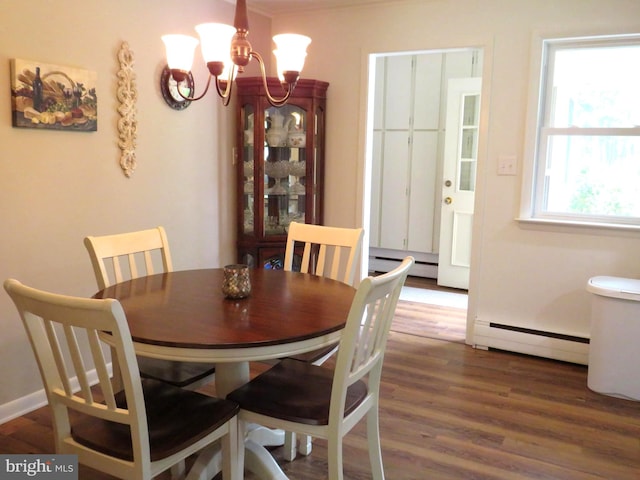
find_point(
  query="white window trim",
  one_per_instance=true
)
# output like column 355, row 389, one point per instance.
column 537, row 78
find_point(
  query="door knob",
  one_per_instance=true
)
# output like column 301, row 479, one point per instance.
column 448, row 200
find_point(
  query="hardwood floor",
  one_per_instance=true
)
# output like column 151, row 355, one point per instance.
column 433, row 321
column 451, row 412
column 430, row 283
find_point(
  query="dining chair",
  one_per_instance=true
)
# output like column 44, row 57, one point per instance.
column 135, row 433
column 119, row 257
column 330, row 252
column 314, row 400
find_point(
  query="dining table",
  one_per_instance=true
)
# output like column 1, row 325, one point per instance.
column 185, row 316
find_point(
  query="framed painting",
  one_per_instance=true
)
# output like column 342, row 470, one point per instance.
column 53, row 97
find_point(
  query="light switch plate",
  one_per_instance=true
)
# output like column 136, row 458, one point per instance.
column 507, row 165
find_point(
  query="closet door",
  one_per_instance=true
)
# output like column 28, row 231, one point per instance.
column 424, row 152
column 395, row 95
column 394, row 192
column 422, row 199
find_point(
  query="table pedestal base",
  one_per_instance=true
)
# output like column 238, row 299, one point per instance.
column 267, row 437
column 207, row 465
column 257, row 459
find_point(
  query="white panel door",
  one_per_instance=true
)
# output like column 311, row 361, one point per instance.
column 394, row 191
column 422, row 198
column 458, row 182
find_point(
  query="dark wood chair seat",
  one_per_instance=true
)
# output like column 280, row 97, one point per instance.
column 295, row 391
column 175, row 419
column 316, row 355
column 180, row 374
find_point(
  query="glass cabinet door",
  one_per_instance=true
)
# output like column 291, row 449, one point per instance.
column 248, row 170
column 280, row 166
column 284, row 168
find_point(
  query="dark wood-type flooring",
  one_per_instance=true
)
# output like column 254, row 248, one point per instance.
column 449, row 411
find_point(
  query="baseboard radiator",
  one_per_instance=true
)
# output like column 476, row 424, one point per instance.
column 384, row 260
column 558, row 346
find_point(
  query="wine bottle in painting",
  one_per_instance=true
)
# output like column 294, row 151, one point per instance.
column 37, row 91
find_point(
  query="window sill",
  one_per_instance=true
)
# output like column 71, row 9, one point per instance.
column 577, row 224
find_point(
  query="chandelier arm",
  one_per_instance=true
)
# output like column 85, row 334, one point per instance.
column 226, row 94
column 276, row 102
column 193, row 99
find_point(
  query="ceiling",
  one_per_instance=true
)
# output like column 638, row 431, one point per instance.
column 279, row 7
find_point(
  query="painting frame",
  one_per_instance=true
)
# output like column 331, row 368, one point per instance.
column 53, row 97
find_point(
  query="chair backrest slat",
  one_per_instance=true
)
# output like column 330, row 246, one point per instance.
column 78, row 364
column 46, row 333
column 100, row 362
column 117, row 270
column 327, row 251
column 305, row 266
column 148, row 263
column 132, row 267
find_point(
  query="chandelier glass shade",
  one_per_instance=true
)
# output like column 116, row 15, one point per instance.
column 227, row 51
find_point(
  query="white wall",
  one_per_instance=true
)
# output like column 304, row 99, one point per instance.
column 522, row 276
column 57, row 187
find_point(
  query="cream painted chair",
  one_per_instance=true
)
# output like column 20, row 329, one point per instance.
column 330, row 252
column 124, row 256
column 136, row 433
column 313, row 400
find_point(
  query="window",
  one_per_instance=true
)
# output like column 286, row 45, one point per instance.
column 586, row 151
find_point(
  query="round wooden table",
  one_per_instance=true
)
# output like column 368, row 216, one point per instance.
column 184, row 316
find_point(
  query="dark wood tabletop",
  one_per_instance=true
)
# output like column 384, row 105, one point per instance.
column 186, row 309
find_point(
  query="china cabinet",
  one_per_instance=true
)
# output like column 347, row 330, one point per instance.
column 280, row 166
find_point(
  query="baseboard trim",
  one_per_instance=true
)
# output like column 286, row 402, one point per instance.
column 23, row 405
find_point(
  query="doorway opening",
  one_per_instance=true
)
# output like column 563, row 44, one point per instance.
column 407, row 128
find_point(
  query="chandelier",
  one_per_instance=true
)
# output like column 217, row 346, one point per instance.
column 227, row 52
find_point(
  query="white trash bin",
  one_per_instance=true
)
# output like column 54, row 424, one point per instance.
column 614, row 353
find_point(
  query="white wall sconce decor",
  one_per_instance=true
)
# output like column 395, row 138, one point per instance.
column 175, row 93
